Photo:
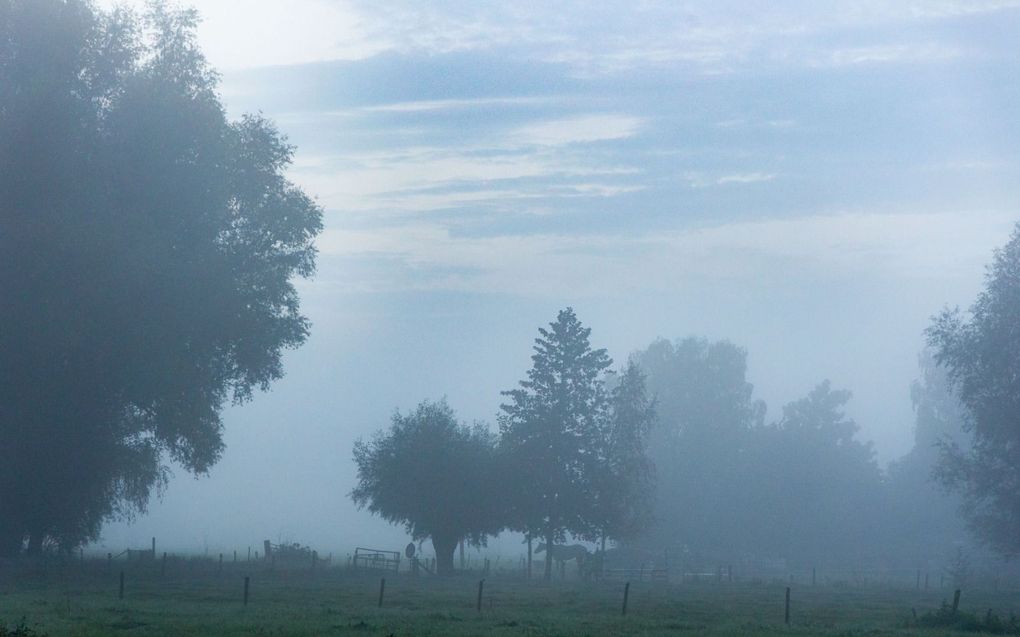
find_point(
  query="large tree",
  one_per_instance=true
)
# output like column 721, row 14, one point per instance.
column 922, row 519
column 147, row 247
column 551, row 430
column 706, row 410
column 811, row 487
column 624, row 486
column 442, row 480
column 981, row 352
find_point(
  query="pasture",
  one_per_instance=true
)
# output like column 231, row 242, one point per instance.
column 201, row 597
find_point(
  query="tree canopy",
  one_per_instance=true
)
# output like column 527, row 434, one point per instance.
column 981, row 353
column 147, row 250
column 439, row 478
column 705, row 410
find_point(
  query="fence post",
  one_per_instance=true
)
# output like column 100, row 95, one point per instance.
column 626, row 595
column 154, row 549
column 786, row 614
column 120, row 592
column 247, row 579
column 382, row 589
column 956, row 601
column 481, row 584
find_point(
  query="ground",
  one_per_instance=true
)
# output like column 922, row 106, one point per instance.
column 199, row 597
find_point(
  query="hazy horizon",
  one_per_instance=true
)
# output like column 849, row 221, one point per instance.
column 809, row 183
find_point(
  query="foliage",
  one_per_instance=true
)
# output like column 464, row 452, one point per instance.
column 981, row 354
column 18, row 630
column 440, row 479
column 801, row 488
column 705, row 409
column 921, row 519
column 147, row 246
column 946, row 617
column 816, row 487
column 551, row 429
column 624, row 490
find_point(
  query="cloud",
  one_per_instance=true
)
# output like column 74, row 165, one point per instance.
column 745, row 178
column 577, row 129
column 605, row 37
column 887, row 54
column 789, row 251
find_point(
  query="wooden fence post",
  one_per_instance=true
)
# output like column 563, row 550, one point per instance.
column 481, row 584
column 956, row 601
column 382, row 590
column 120, row 593
column 786, row 614
column 626, row 595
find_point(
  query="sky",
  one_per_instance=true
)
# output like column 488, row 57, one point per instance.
column 812, row 181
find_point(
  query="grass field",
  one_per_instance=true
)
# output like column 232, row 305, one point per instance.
column 195, row 597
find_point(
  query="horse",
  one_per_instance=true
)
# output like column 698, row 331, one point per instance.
column 564, row 553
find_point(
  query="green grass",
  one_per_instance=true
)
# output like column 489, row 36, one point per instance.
column 194, row 599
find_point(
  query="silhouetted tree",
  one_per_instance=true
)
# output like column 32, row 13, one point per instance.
column 440, row 479
column 705, row 411
column 981, row 353
column 814, row 488
column 623, row 491
column 922, row 519
column 147, row 246
column 551, row 430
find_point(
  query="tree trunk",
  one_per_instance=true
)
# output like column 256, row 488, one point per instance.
column 548, row 554
column 444, row 546
column 529, row 555
column 35, row 540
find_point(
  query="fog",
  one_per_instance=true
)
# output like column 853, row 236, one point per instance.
column 810, row 184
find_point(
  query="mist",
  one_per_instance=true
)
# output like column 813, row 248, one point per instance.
column 802, row 187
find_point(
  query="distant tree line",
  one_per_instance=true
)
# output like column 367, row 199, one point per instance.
column 670, row 453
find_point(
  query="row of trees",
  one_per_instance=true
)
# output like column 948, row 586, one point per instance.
column 801, row 487
column 578, row 448
column 569, row 458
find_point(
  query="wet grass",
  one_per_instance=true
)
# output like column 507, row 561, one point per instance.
column 195, row 598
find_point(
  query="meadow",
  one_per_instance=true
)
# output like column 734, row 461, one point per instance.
column 202, row 597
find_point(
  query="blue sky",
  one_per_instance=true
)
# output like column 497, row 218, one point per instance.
column 810, row 180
